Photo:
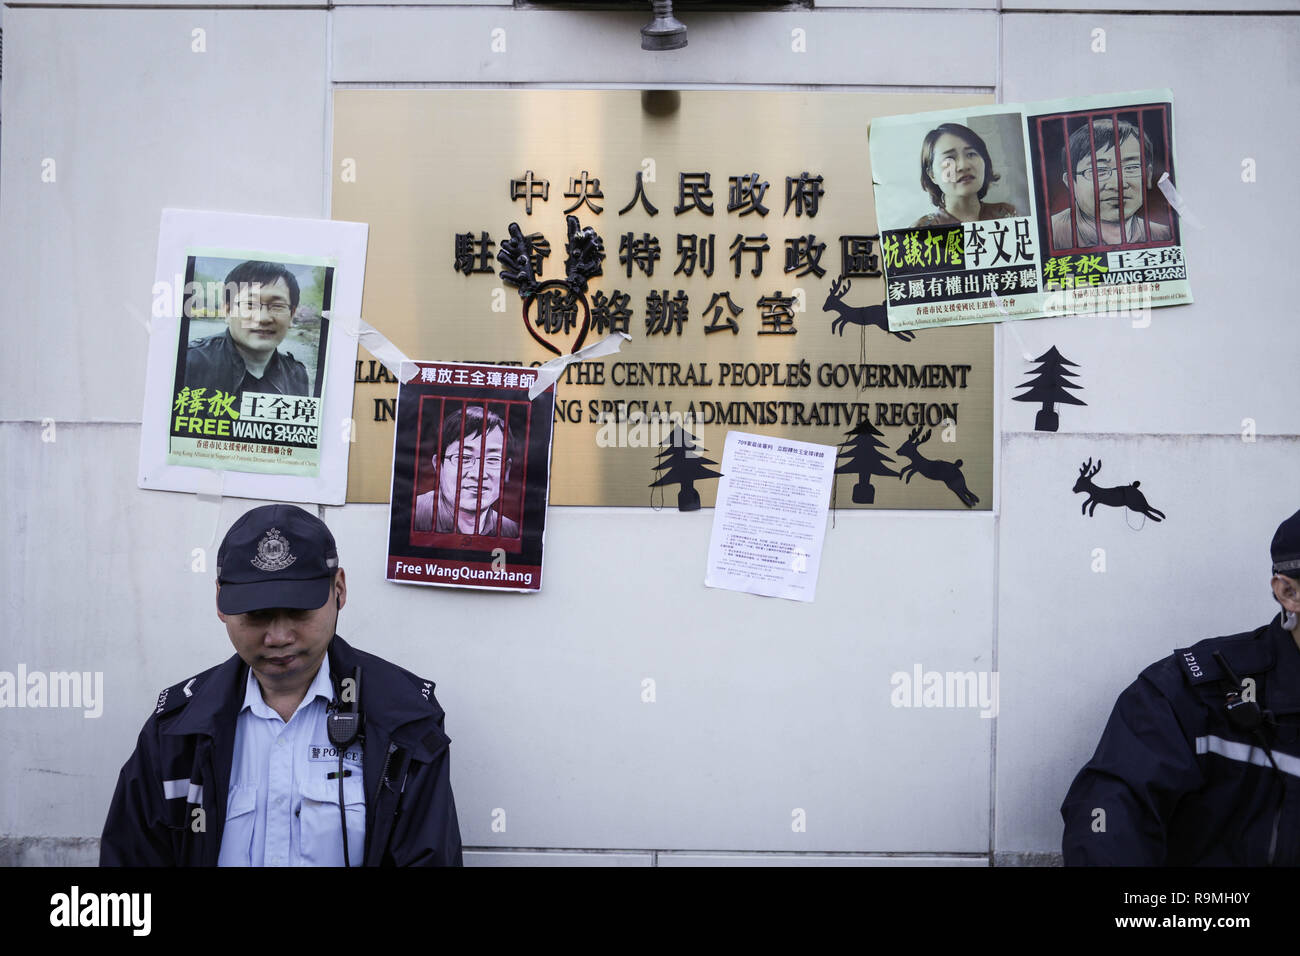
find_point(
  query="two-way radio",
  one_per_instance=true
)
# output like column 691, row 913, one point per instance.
column 1246, row 715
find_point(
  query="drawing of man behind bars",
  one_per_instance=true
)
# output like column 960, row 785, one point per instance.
column 1107, row 186
column 473, row 463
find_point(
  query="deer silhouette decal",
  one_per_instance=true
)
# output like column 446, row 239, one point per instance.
column 863, row 315
column 1121, row 496
column 949, row 472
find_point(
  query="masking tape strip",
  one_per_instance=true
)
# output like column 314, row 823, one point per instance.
column 1177, row 201
column 549, row 373
column 389, row 355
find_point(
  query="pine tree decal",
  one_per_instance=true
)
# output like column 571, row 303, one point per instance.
column 1048, row 386
column 681, row 463
column 861, row 458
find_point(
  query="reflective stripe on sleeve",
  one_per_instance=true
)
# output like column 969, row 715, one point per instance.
column 174, row 789
column 1247, row 753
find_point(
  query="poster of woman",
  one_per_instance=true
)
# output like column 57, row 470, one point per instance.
column 956, row 216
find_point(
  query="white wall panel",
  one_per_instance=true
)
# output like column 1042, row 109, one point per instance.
column 1071, row 638
column 842, row 47
column 1200, row 368
column 96, row 575
column 762, row 706
column 133, row 121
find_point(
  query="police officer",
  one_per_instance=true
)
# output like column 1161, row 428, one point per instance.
column 299, row 749
column 1199, row 764
column 259, row 300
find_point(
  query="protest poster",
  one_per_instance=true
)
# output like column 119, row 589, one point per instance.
column 1109, row 237
column 232, row 328
column 978, row 261
column 248, row 376
column 1024, row 211
column 471, row 473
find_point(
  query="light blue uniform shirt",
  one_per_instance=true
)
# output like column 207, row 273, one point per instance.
column 283, row 810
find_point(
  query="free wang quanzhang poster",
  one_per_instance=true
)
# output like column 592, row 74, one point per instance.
column 251, row 363
column 251, row 354
column 471, row 475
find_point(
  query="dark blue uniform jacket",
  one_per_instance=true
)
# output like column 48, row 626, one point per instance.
column 190, row 739
column 1175, row 783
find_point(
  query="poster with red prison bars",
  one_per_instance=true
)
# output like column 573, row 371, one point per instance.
column 471, row 477
column 1110, row 239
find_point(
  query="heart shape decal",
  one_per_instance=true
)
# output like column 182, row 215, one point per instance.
column 551, row 316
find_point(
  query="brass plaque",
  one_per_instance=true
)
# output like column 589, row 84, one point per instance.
column 751, row 293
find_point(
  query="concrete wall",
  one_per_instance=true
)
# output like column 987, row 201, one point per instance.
column 762, row 707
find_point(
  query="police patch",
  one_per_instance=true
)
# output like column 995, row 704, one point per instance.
column 273, row 552
column 327, row 752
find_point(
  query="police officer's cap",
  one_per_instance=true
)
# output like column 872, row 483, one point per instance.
column 276, row 556
column 1286, row 547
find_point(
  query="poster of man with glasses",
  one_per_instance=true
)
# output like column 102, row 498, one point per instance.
column 250, row 364
column 471, row 472
column 1108, row 169
column 252, row 353
column 1108, row 231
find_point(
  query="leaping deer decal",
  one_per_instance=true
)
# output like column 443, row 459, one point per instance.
column 949, row 472
column 857, row 314
column 1120, row 496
